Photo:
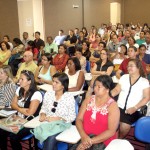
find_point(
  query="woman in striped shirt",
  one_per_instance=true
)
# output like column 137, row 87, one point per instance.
column 7, row 86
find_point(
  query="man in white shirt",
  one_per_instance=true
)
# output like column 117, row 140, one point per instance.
column 147, row 42
column 25, row 39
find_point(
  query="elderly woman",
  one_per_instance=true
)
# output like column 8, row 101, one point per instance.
column 134, row 93
column 57, row 105
column 98, row 118
column 27, row 101
column 75, row 74
column 7, row 86
column 45, row 72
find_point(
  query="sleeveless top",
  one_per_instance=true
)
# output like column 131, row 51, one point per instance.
column 2, row 56
column 95, row 119
column 47, row 75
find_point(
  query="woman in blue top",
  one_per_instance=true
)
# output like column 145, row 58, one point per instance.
column 45, row 72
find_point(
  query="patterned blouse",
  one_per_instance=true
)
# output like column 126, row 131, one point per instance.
column 65, row 107
column 7, row 92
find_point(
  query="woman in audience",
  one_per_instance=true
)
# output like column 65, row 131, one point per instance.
column 81, row 58
column 76, row 76
column 132, row 42
column 45, row 72
column 80, row 39
column 134, row 93
column 7, row 39
column 27, row 102
column 57, row 105
column 85, row 50
column 5, row 53
column 85, row 32
column 31, row 47
column 60, row 60
column 94, row 44
column 104, row 66
column 98, row 118
column 7, row 86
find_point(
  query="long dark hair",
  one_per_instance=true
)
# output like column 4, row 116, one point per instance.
column 32, row 88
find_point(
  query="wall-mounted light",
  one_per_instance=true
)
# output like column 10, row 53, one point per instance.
column 75, row 6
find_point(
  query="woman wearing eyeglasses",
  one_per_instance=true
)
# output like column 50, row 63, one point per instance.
column 57, row 105
column 45, row 72
column 134, row 92
column 104, row 66
column 27, row 101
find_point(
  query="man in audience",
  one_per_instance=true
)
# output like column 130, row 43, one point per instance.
column 133, row 33
column 126, row 36
column 132, row 52
column 25, row 39
column 113, row 46
column 50, row 47
column 60, row 38
column 76, row 32
column 28, row 64
column 147, row 42
column 141, row 40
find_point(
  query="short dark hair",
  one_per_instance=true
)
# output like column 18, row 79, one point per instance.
column 63, row 78
column 76, row 63
column 7, row 37
column 7, row 45
column 104, row 44
column 135, row 49
column 62, row 31
column 38, row 32
column 106, row 81
column 142, row 45
column 63, row 45
column 125, row 48
column 17, row 41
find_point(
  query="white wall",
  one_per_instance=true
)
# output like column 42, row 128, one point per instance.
column 115, row 12
column 30, row 17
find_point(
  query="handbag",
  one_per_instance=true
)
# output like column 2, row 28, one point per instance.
column 143, row 110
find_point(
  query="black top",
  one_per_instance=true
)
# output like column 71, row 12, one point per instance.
column 104, row 67
column 72, row 39
column 39, row 43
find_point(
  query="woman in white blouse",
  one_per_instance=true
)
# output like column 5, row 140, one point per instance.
column 134, row 93
column 57, row 105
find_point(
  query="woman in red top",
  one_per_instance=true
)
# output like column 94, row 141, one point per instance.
column 99, row 115
column 60, row 60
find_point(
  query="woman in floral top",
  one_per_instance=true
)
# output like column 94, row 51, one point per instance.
column 98, row 115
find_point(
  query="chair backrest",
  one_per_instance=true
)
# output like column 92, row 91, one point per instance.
column 88, row 67
column 142, row 129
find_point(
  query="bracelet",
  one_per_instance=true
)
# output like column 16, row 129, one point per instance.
column 135, row 107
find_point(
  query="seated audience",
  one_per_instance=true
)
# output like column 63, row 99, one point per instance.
column 70, row 42
column 28, row 64
column 27, row 101
column 80, row 39
column 85, row 50
column 57, row 105
column 7, row 39
column 31, row 47
column 98, row 118
column 5, row 53
column 142, row 38
column 50, row 47
column 7, row 86
column 81, row 58
column 60, row 60
column 134, row 92
column 16, row 54
column 132, row 42
column 45, row 71
column 132, row 52
column 60, row 38
column 104, row 66
column 94, row 44
column 25, row 39
column 75, row 74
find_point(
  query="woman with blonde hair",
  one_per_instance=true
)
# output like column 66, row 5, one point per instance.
column 7, row 86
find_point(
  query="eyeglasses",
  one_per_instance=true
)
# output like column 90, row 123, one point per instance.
column 54, row 107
